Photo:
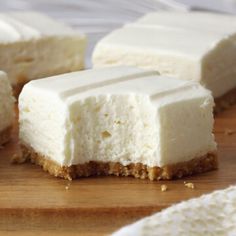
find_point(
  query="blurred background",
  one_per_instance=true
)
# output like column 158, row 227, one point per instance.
column 98, row 17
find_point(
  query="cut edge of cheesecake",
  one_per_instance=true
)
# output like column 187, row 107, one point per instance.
column 196, row 165
column 5, row 135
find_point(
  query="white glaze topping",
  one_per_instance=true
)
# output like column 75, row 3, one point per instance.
column 30, row 25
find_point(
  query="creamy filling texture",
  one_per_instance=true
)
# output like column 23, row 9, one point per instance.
column 185, row 128
column 24, row 61
column 115, row 128
column 170, row 65
column 43, row 127
column 218, row 67
column 119, row 128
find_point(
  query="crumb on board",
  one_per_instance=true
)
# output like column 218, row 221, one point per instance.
column 17, row 158
column 189, row 185
column 67, row 186
column 229, row 131
column 164, row 188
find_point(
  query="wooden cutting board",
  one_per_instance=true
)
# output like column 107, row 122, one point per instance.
column 33, row 202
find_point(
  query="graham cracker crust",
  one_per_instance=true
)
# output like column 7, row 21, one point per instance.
column 195, row 166
column 5, row 135
column 224, row 102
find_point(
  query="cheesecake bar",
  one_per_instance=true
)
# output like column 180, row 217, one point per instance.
column 191, row 46
column 6, row 109
column 119, row 120
column 33, row 46
column 211, row 214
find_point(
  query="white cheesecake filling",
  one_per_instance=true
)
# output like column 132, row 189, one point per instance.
column 115, row 128
column 191, row 46
column 25, row 61
column 123, row 115
column 34, row 46
column 6, row 103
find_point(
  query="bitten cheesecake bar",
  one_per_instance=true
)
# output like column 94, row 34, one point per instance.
column 211, row 214
column 6, row 109
column 33, row 46
column 121, row 121
column 192, row 46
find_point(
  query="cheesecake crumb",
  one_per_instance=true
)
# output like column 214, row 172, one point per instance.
column 164, row 188
column 67, row 186
column 69, row 178
column 106, row 134
column 229, row 132
column 17, row 158
column 189, row 185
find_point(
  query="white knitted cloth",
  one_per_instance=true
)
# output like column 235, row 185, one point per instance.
column 213, row 214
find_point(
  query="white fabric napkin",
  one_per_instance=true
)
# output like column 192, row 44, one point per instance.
column 210, row 215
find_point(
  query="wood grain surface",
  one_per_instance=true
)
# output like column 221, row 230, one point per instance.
column 33, row 202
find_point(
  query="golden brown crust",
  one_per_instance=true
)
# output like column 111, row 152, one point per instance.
column 5, row 135
column 197, row 165
column 224, row 102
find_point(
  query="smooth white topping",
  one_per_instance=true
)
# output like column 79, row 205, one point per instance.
column 18, row 26
column 6, row 103
column 212, row 214
column 190, row 46
column 120, row 114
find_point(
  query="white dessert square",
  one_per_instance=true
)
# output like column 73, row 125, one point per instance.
column 6, row 108
column 191, row 46
column 121, row 120
column 33, row 46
